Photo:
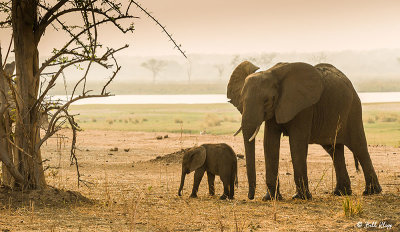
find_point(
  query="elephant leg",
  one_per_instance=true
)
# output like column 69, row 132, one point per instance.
column 225, row 181
column 198, row 175
column 343, row 186
column 272, row 139
column 360, row 151
column 211, row 178
column 232, row 186
column 357, row 143
column 299, row 130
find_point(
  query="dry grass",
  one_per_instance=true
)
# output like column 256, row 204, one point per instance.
column 129, row 193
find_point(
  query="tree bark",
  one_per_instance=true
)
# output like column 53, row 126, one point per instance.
column 27, row 132
column 5, row 131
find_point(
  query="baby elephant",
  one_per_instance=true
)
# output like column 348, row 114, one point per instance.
column 217, row 159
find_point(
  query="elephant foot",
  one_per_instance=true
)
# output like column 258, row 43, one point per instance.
column 268, row 197
column 223, row 197
column 342, row 191
column 303, row 196
column 193, row 195
column 251, row 193
column 372, row 189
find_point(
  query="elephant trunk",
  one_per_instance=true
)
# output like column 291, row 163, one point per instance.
column 252, row 118
column 182, row 182
column 250, row 160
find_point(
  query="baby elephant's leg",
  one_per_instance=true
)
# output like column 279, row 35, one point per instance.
column 232, row 187
column 211, row 178
column 225, row 182
column 198, row 175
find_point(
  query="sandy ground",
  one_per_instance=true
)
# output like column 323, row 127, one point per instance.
column 128, row 192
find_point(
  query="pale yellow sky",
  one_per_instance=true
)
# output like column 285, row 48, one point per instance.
column 233, row 26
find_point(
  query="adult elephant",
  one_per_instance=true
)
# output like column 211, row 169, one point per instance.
column 311, row 105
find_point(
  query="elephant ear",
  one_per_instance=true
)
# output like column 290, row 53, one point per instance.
column 9, row 68
column 198, row 157
column 301, row 87
column 236, row 83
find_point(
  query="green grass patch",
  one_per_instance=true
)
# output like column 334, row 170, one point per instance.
column 381, row 121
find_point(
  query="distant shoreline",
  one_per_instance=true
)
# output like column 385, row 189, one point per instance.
column 366, row 97
column 196, row 87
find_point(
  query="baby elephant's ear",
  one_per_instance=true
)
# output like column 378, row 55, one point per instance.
column 198, row 158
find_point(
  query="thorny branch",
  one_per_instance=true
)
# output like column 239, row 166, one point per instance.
column 81, row 48
column 163, row 28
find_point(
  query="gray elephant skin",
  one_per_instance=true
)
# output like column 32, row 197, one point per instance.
column 311, row 105
column 215, row 159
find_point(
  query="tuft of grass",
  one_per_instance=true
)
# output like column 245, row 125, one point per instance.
column 178, row 121
column 212, row 120
column 389, row 119
column 351, row 208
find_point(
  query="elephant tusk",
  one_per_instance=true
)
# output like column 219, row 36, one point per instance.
column 255, row 134
column 237, row 132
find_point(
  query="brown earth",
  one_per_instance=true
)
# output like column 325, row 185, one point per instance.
column 126, row 191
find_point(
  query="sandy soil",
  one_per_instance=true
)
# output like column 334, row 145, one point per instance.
column 130, row 191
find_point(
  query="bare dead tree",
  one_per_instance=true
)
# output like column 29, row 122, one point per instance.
column 263, row 60
column 155, row 66
column 220, row 69
column 235, row 61
column 189, row 70
column 319, row 57
column 24, row 95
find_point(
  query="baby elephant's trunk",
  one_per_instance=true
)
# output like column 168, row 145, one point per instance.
column 182, row 182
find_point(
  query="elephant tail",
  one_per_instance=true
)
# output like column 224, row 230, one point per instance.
column 236, row 174
column 356, row 162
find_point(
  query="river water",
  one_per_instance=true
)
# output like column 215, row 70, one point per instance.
column 366, row 97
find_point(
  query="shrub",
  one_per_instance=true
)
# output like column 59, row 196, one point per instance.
column 212, row 120
column 178, row 121
column 389, row 119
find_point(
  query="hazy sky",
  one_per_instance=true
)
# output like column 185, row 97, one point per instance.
column 233, row 26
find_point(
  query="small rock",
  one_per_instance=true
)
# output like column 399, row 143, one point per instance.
column 87, row 149
column 126, row 149
column 240, row 156
column 158, row 157
column 165, row 136
column 288, row 174
column 114, row 149
column 159, row 137
column 110, row 154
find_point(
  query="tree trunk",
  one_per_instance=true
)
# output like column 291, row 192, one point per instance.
column 27, row 134
column 5, row 132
